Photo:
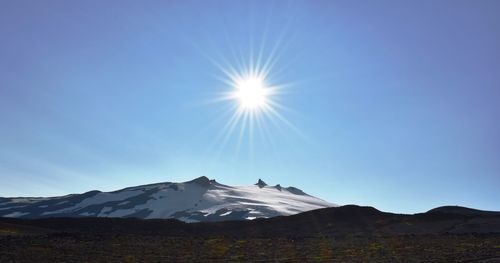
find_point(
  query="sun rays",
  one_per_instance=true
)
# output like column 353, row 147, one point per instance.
column 253, row 99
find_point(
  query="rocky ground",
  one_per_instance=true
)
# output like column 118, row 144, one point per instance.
column 344, row 234
column 71, row 247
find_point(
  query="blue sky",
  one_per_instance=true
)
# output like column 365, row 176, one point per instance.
column 395, row 104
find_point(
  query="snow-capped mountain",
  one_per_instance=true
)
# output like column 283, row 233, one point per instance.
column 201, row 199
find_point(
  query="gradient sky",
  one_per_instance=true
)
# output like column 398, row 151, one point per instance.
column 396, row 103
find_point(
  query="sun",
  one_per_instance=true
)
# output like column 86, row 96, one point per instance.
column 252, row 93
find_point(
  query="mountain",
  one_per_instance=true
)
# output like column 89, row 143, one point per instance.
column 198, row 200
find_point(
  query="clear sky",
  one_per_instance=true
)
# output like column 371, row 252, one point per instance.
column 393, row 104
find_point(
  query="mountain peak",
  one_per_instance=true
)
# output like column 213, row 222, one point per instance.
column 261, row 183
column 295, row 190
column 202, row 181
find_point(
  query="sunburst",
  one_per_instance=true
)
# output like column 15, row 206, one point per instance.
column 254, row 98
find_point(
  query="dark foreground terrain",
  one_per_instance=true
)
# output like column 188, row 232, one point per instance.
column 344, row 234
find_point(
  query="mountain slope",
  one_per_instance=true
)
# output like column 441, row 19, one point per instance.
column 194, row 201
column 337, row 222
column 459, row 210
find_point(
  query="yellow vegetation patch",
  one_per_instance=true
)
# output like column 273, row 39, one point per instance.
column 8, row 231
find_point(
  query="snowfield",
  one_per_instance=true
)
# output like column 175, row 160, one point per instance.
column 194, row 201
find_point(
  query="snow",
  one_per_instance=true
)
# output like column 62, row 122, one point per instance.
column 99, row 198
column 255, row 197
column 167, row 201
column 261, row 202
column 16, row 214
column 12, row 207
column 86, row 214
column 226, row 213
column 105, row 210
